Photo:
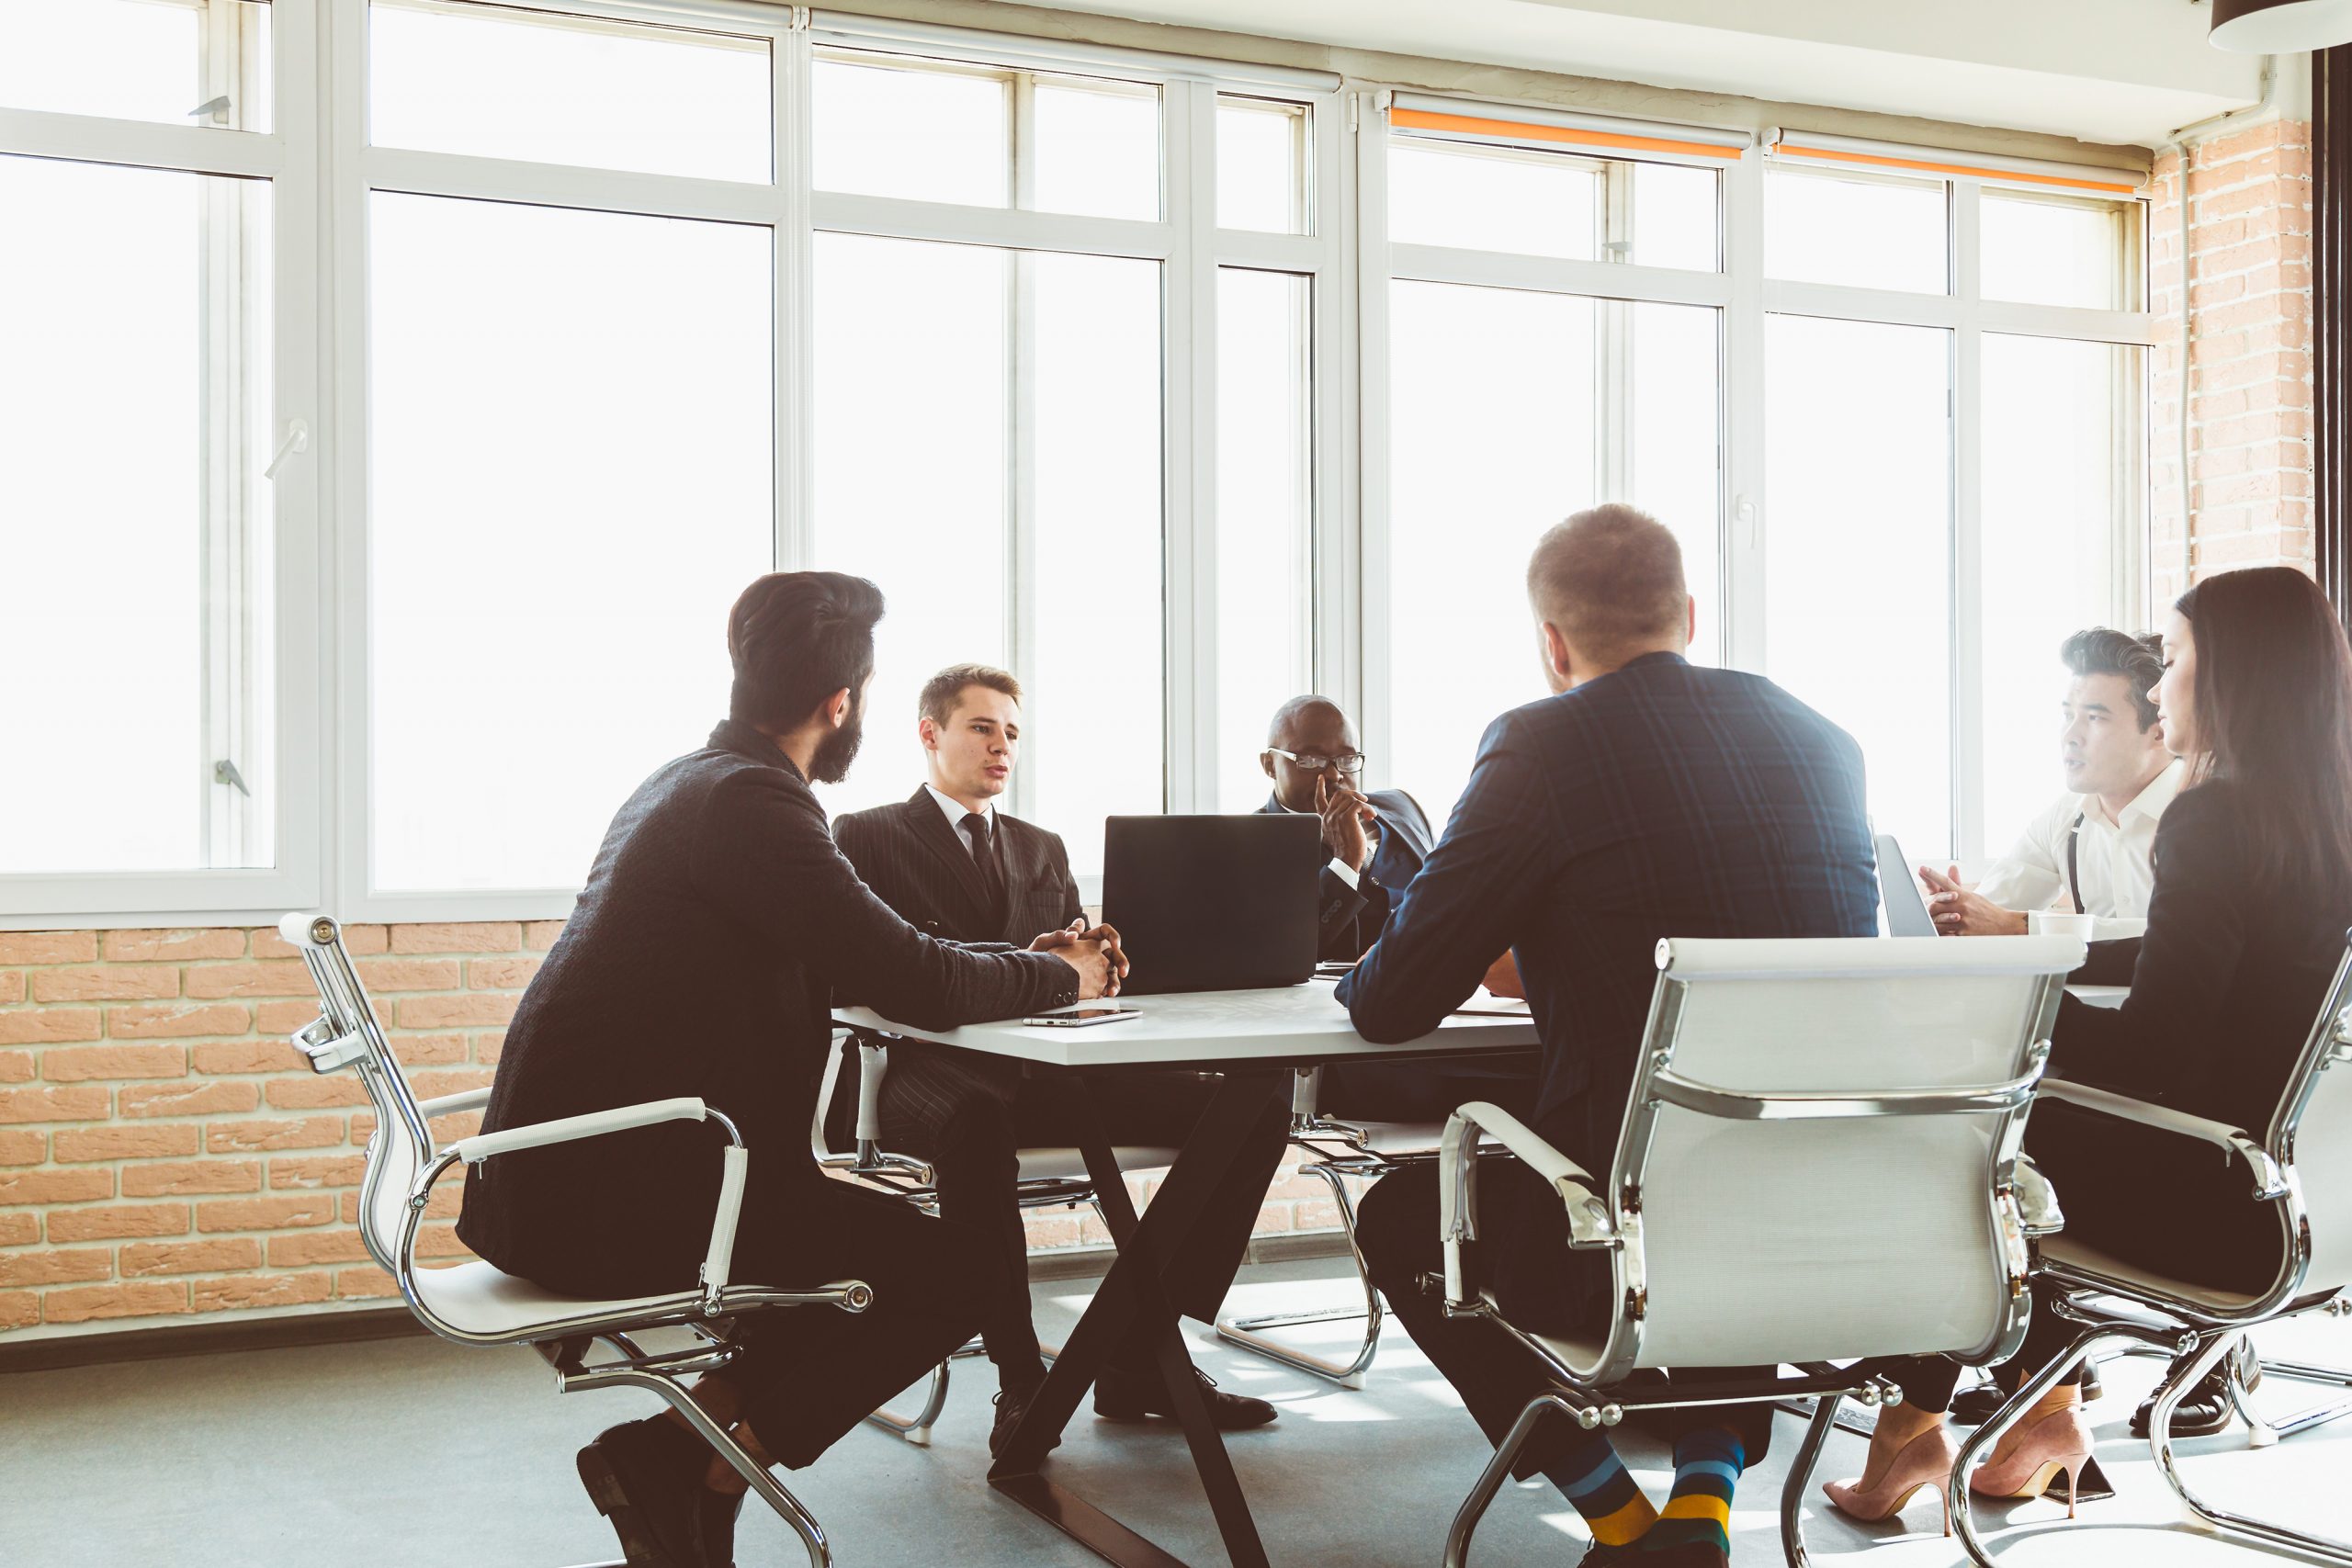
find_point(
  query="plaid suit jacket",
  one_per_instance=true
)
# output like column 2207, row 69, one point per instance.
column 1663, row 799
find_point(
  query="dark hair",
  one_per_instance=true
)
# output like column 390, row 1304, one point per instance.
column 1611, row 578
column 2273, row 699
column 2103, row 650
column 937, row 702
column 796, row 638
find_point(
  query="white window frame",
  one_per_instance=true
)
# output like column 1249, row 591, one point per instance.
column 323, row 169
column 1746, row 297
column 286, row 156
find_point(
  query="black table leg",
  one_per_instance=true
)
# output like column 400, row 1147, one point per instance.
column 1133, row 1288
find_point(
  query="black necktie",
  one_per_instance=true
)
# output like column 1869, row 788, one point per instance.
column 984, row 857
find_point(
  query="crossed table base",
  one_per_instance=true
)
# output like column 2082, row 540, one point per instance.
column 1255, row 1040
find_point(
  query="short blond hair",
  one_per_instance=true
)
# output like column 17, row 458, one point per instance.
column 1611, row 578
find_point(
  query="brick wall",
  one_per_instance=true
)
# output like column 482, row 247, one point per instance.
column 164, row 1153
column 2249, row 377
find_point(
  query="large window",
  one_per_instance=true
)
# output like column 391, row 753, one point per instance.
column 146, row 471
column 394, row 394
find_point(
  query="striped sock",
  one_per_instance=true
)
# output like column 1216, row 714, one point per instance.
column 1706, row 1466
column 1596, row 1481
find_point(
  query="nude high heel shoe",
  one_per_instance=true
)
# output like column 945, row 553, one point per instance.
column 1926, row 1461
column 2056, row 1443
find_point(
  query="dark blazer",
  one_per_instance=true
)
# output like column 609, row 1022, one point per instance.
column 918, row 864
column 1349, row 919
column 718, row 925
column 2225, row 981
column 1662, row 800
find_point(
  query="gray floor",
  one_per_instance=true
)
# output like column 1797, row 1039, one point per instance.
column 409, row 1452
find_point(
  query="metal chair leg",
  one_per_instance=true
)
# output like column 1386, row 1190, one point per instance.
column 1980, row 1443
column 916, row 1428
column 2267, row 1431
column 1801, row 1469
column 1247, row 1332
column 2211, row 1350
column 787, row 1508
column 1490, row 1480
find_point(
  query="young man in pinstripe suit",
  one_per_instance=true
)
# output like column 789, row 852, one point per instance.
column 956, row 868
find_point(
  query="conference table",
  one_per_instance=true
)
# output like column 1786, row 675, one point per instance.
column 1256, row 1040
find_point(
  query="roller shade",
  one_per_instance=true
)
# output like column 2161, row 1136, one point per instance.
column 1895, row 157
column 1514, row 125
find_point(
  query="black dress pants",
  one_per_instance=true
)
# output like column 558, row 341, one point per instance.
column 1522, row 1255
column 970, row 1117
column 808, row 1374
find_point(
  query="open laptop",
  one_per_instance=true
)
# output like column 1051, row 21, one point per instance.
column 1213, row 902
column 1898, row 892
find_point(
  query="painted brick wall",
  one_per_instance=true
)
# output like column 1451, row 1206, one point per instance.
column 164, row 1153
column 2249, row 371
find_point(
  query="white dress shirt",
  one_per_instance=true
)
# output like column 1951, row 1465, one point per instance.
column 2114, row 858
column 957, row 811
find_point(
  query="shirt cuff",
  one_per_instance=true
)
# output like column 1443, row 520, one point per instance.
column 1345, row 873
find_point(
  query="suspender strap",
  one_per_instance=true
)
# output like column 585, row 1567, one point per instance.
column 2073, row 885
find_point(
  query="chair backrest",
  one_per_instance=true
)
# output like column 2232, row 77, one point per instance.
column 347, row 1035
column 1820, row 1146
column 2310, row 1136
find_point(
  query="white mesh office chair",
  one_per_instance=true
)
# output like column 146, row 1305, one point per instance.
column 1819, row 1163
column 474, row 1304
column 1050, row 1178
column 2301, row 1180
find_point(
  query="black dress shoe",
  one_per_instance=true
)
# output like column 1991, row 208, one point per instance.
column 645, row 1477
column 1690, row 1554
column 1597, row 1555
column 1121, row 1395
column 1011, row 1404
column 2202, row 1411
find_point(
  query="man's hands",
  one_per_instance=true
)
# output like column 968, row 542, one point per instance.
column 1502, row 978
column 1959, row 912
column 1095, row 953
column 1348, row 818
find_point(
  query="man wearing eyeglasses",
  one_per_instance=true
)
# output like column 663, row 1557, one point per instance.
column 1377, row 840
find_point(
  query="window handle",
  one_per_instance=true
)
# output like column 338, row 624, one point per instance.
column 214, row 109
column 297, row 439
column 225, row 771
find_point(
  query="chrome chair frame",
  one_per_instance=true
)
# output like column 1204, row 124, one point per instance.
column 2195, row 1335
column 346, row 1035
column 1611, row 1218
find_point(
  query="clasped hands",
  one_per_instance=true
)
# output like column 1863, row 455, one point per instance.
column 1093, row 951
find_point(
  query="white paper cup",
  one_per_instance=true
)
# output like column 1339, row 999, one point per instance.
column 2053, row 922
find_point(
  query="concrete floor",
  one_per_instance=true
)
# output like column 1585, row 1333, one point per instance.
column 411, row 1451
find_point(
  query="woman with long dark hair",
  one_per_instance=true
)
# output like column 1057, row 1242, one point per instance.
column 2246, row 927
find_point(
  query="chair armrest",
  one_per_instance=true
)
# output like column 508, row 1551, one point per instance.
column 1458, row 1175
column 718, row 1257
column 2269, row 1180
column 566, row 1128
column 464, row 1100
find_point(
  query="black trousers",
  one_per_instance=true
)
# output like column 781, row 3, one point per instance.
column 970, row 1117
column 808, row 1374
column 2157, row 1200
column 1522, row 1255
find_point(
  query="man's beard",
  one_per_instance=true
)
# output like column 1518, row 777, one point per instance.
column 839, row 749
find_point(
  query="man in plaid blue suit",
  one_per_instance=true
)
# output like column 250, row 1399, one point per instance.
column 1647, row 797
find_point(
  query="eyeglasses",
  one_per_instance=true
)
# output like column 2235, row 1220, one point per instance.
column 1350, row 766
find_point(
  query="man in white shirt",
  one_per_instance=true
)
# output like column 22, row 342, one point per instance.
column 2091, row 852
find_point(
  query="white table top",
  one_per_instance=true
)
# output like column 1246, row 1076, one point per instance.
column 2101, row 996
column 1285, row 1023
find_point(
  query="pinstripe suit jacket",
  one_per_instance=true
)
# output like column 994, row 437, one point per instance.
column 1662, row 800
column 920, row 866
